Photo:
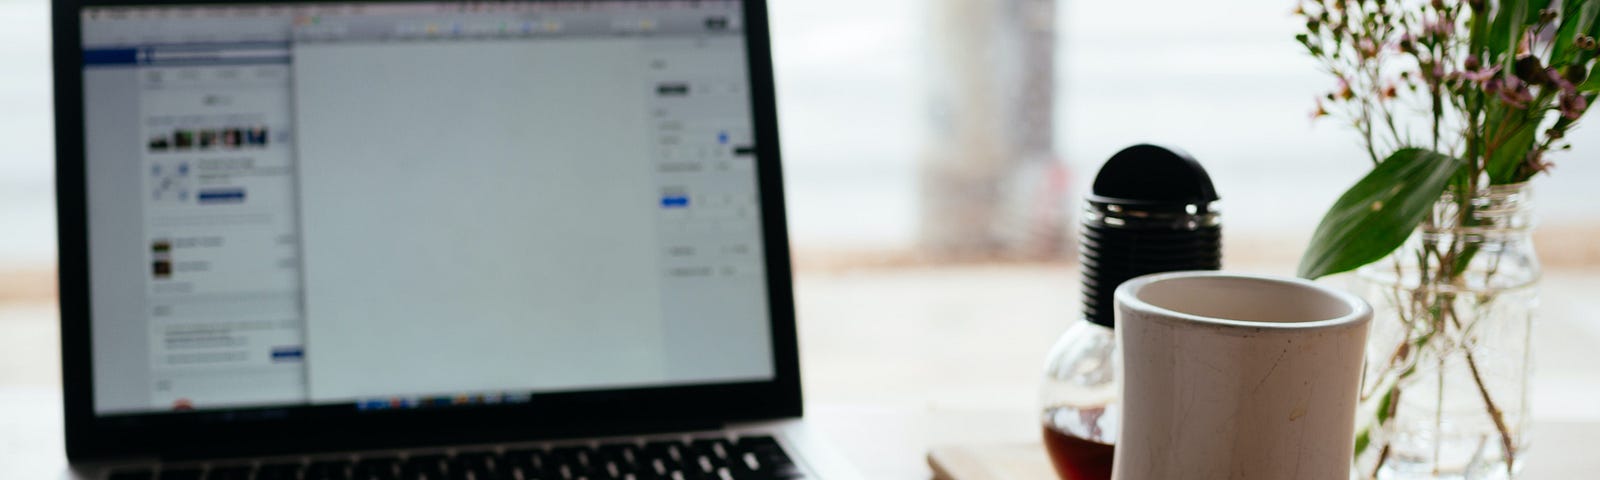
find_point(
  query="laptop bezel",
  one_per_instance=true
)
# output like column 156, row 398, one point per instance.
column 267, row 431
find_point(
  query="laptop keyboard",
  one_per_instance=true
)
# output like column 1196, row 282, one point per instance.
column 750, row 457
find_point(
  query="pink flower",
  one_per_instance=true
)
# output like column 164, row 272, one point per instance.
column 1319, row 112
column 1573, row 105
column 1439, row 27
column 1367, row 48
column 1481, row 76
column 1560, row 81
column 1536, row 161
column 1407, row 43
column 1515, row 93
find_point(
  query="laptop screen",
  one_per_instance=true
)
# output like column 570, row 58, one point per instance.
column 419, row 205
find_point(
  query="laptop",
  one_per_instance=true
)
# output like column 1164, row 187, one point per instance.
column 425, row 240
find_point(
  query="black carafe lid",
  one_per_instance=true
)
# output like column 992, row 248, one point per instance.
column 1152, row 210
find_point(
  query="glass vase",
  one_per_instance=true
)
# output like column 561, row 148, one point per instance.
column 1445, row 388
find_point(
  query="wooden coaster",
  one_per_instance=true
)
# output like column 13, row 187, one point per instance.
column 1016, row 461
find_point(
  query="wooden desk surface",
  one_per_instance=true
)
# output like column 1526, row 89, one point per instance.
column 1562, row 452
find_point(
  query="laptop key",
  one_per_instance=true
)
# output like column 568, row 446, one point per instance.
column 475, row 466
column 761, row 457
column 766, row 451
column 695, row 474
column 787, row 472
column 577, row 461
column 652, row 469
column 424, row 467
column 651, row 475
column 717, row 448
column 626, row 457
column 475, row 460
column 528, row 464
column 744, row 466
column 670, row 454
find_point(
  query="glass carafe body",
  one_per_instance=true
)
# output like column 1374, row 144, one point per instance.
column 1080, row 402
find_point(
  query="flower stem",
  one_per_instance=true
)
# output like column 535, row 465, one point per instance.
column 1438, row 415
column 1507, row 441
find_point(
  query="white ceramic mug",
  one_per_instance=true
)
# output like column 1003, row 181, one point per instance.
column 1237, row 376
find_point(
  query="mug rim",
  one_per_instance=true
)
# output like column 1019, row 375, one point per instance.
column 1127, row 295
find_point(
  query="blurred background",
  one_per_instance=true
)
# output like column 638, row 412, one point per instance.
column 935, row 152
column 968, row 129
column 956, row 130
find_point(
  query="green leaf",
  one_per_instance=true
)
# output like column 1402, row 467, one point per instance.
column 1379, row 212
column 1503, row 163
column 1576, row 16
column 1533, row 8
column 1363, row 439
column 1503, row 36
column 1386, row 404
column 1594, row 23
column 1464, row 260
column 1480, row 32
column 1592, row 84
